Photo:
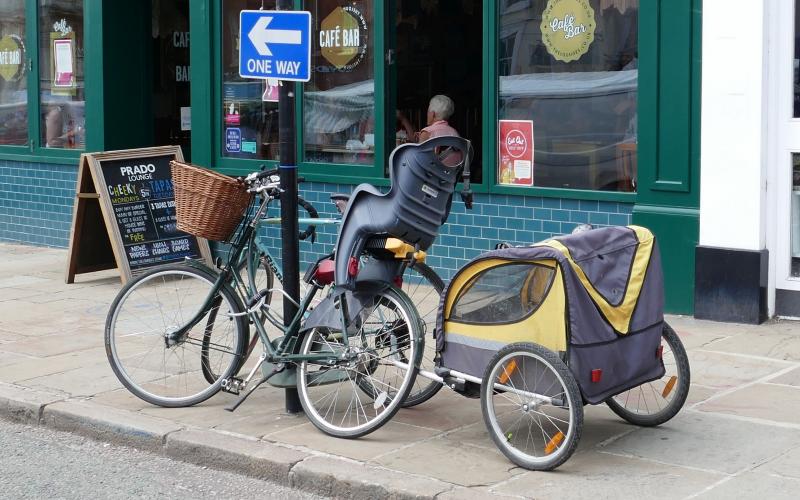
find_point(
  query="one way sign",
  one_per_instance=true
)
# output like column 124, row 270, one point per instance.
column 275, row 44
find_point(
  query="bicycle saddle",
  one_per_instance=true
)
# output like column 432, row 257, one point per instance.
column 423, row 179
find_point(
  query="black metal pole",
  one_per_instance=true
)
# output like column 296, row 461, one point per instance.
column 290, row 255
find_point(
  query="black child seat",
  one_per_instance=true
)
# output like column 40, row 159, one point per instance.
column 423, row 179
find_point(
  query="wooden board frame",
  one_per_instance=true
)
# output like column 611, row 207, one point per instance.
column 90, row 191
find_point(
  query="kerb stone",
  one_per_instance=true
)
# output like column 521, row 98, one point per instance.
column 338, row 478
column 109, row 424
column 24, row 405
column 243, row 456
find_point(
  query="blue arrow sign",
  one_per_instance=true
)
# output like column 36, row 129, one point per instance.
column 275, row 44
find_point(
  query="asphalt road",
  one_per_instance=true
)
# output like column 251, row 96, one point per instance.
column 41, row 463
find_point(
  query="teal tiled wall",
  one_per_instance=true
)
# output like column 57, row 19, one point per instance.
column 36, row 207
column 36, row 202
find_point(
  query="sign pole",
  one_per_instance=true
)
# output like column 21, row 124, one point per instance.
column 290, row 255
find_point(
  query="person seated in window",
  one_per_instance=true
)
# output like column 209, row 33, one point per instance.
column 440, row 109
column 55, row 134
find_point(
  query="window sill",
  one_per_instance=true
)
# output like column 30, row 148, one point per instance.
column 23, row 154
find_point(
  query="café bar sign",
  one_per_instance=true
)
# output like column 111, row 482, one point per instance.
column 568, row 28
column 343, row 37
column 12, row 55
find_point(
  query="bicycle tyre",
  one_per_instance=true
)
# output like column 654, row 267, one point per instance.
column 191, row 286
column 315, row 377
column 676, row 382
column 424, row 389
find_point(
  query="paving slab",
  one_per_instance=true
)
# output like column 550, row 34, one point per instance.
column 109, row 424
column 452, row 460
column 251, row 457
column 694, row 439
column 10, row 293
column 51, row 340
column 769, row 344
column 791, row 378
column 7, row 358
column 599, row 475
column 338, row 478
column 385, row 439
column 725, row 371
column 435, row 413
column 778, row 403
column 786, row 465
column 120, row 398
column 476, row 493
column 39, row 366
column 754, row 485
column 80, row 382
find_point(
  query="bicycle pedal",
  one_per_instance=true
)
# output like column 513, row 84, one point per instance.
column 233, row 385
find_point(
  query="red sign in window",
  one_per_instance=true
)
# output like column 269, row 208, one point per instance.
column 516, row 152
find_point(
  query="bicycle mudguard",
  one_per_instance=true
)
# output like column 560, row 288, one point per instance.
column 326, row 314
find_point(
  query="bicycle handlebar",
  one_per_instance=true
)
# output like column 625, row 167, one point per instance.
column 273, row 190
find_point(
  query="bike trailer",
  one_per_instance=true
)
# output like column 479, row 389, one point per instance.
column 595, row 298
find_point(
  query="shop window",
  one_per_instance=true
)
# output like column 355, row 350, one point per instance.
column 568, row 94
column 339, row 101
column 13, row 74
column 61, row 77
column 249, row 107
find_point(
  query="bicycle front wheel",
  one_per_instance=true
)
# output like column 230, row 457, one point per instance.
column 357, row 386
column 157, row 303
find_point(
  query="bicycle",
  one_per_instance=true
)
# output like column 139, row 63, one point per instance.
column 161, row 324
column 419, row 281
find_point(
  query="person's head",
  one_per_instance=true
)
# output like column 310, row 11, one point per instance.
column 441, row 107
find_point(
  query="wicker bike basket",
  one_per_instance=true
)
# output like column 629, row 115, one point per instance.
column 207, row 204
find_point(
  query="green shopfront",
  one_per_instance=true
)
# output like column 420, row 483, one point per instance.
column 580, row 111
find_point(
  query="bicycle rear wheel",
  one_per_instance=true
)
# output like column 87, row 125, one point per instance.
column 424, row 287
column 157, row 303
column 358, row 386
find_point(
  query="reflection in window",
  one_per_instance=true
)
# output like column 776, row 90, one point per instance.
column 61, row 83
column 339, row 101
column 249, row 107
column 795, row 235
column 13, row 86
column 796, row 60
column 575, row 76
column 503, row 294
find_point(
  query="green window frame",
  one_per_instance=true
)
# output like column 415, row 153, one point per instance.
column 207, row 85
column 206, row 35
column 33, row 150
column 491, row 14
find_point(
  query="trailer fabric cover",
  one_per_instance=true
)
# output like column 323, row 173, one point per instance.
column 612, row 314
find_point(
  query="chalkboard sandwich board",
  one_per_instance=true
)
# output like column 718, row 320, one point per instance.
column 124, row 215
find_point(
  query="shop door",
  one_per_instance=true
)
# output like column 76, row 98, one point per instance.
column 435, row 47
column 171, row 74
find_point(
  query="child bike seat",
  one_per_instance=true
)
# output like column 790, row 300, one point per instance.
column 423, row 179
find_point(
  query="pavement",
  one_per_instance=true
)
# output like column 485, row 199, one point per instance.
column 737, row 437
